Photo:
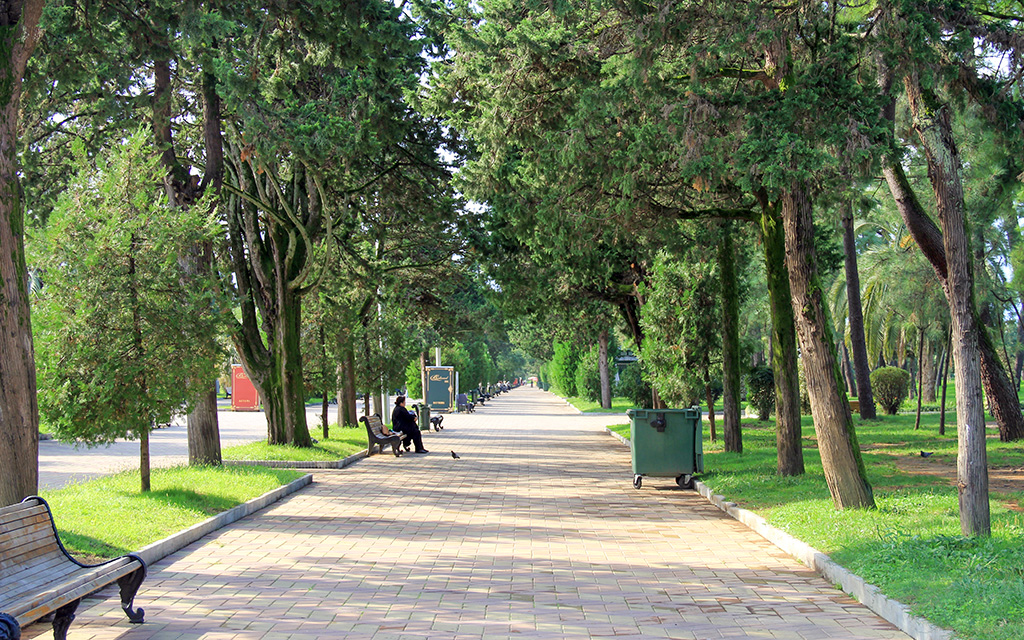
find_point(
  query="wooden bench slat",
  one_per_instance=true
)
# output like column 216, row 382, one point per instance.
column 48, row 570
column 37, row 576
column 52, row 596
column 9, row 516
column 14, row 531
column 38, row 563
column 27, row 545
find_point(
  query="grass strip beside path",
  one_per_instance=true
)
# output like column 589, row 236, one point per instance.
column 910, row 546
column 344, row 441
column 109, row 516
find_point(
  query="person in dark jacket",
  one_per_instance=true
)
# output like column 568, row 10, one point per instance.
column 405, row 421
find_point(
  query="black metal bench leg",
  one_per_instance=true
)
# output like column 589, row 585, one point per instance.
column 129, row 587
column 62, row 619
column 9, row 627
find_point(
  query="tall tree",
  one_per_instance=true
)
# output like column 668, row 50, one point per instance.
column 320, row 115
column 730, row 341
column 933, row 126
column 124, row 338
column 866, row 400
column 19, row 413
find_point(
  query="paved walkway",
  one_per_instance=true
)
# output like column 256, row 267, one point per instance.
column 536, row 532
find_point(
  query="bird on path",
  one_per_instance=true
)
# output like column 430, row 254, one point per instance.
column 925, row 454
column 455, row 455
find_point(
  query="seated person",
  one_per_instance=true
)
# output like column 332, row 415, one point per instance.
column 405, row 421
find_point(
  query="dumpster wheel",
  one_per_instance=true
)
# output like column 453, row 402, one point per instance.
column 685, row 481
column 638, row 481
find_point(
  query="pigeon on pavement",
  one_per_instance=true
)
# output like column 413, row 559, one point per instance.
column 455, row 455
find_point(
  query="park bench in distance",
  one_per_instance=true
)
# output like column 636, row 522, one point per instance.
column 375, row 434
column 39, row 577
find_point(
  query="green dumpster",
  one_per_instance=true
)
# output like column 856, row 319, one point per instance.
column 666, row 443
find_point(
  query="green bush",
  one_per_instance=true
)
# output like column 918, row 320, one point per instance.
column 563, row 367
column 889, row 386
column 413, row 381
column 632, row 385
column 761, row 391
column 588, row 376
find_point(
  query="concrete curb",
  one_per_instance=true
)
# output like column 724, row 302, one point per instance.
column 299, row 464
column 867, row 594
column 162, row 548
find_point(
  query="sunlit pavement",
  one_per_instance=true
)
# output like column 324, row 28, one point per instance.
column 536, row 532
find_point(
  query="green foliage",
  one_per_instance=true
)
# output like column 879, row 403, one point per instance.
column 125, row 337
column 562, row 367
column 633, row 386
column 681, row 320
column 761, row 391
column 588, row 376
column 413, row 379
column 480, row 369
column 890, row 386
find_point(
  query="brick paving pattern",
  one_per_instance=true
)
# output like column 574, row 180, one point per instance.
column 536, row 532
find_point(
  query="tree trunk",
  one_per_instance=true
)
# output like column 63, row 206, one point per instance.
column 323, row 383
column 920, row 375
column 998, row 388
column 861, row 366
column 788, row 430
column 833, row 424
column 349, row 386
column 424, row 363
column 945, row 379
column 711, row 411
column 933, row 127
column 656, row 401
column 602, row 369
column 202, row 422
column 732, row 435
column 19, row 412
column 928, row 364
column 280, row 384
column 144, row 472
column 339, row 392
column 848, row 374
column 204, row 431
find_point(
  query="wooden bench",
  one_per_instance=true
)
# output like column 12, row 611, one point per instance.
column 39, row 577
column 377, row 437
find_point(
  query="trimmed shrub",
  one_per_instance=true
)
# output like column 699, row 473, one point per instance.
column 889, row 386
column 633, row 386
column 563, row 368
column 413, row 381
column 761, row 391
column 588, row 376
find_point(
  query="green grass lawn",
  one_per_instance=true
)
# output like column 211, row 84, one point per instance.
column 108, row 517
column 344, row 441
column 619, row 405
column 910, row 546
